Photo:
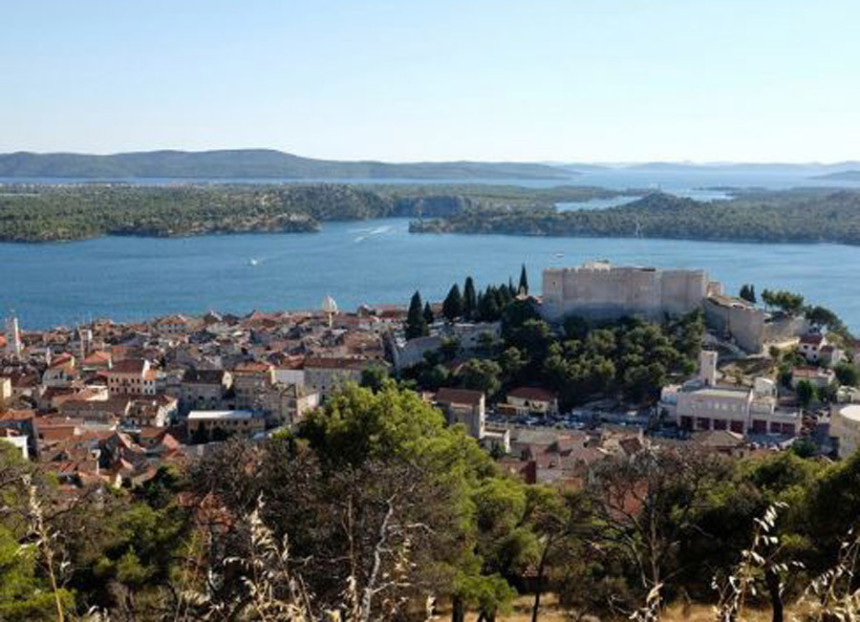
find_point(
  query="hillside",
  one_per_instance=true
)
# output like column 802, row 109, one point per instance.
column 852, row 175
column 802, row 215
column 253, row 163
column 43, row 212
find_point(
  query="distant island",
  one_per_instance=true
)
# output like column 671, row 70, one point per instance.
column 852, row 175
column 802, row 215
column 254, row 164
column 47, row 213
column 59, row 212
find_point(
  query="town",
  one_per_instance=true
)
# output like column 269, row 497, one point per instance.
column 549, row 385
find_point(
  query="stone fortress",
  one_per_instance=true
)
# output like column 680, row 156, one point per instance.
column 600, row 291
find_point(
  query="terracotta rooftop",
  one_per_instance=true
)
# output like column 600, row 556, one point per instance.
column 448, row 395
column 532, row 393
column 252, row 367
column 129, row 366
column 813, row 339
column 98, row 359
column 335, row 363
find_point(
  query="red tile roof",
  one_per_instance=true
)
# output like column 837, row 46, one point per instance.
column 812, row 339
column 129, row 366
column 532, row 393
column 335, row 363
column 99, row 358
column 448, row 395
column 252, row 367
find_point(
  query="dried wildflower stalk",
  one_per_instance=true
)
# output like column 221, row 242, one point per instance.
column 758, row 565
column 831, row 596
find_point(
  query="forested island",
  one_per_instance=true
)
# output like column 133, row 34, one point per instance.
column 255, row 164
column 800, row 215
column 43, row 213
column 40, row 213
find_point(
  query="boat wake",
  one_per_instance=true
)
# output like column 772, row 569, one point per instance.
column 372, row 232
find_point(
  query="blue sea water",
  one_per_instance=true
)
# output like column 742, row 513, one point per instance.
column 379, row 261
column 375, row 261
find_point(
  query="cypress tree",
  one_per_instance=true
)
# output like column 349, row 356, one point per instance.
column 489, row 307
column 470, row 299
column 524, row 281
column 452, row 308
column 428, row 314
column 501, row 296
column 747, row 293
column 511, row 289
column 416, row 325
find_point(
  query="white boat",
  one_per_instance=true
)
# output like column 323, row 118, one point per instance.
column 252, row 261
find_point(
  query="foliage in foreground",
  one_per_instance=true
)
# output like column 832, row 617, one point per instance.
column 373, row 506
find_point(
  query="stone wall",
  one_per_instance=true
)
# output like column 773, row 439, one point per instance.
column 734, row 319
column 601, row 291
column 406, row 354
column 784, row 329
column 749, row 327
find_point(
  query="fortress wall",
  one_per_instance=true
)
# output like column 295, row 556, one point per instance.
column 598, row 291
column 683, row 290
column 743, row 324
column 609, row 288
column 552, row 289
column 784, row 329
column 605, row 293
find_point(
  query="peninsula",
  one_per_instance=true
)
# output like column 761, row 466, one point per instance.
column 44, row 213
column 806, row 215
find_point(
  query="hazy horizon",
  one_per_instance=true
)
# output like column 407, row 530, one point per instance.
column 606, row 163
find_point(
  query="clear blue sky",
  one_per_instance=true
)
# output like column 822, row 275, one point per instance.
column 575, row 80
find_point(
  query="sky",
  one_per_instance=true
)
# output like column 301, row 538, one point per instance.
column 410, row 80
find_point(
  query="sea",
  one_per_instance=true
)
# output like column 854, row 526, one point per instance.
column 380, row 262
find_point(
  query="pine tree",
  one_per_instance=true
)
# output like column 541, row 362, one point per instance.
column 416, row 325
column 524, row 281
column 470, row 299
column 452, row 308
column 428, row 314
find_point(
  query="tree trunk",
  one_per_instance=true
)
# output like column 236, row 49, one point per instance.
column 772, row 580
column 536, row 606
column 458, row 610
column 539, row 583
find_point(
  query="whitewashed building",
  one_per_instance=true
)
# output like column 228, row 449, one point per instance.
column 845, row 426
column 702, row 404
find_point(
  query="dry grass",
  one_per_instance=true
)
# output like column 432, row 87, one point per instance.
column 705, row 613
column 522, row 612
